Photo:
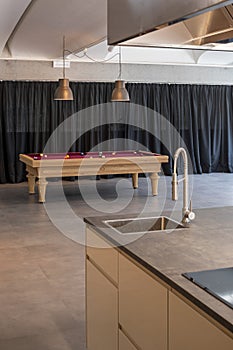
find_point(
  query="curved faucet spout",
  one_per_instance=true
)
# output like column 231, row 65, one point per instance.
column 187, row 214
column 181, row 151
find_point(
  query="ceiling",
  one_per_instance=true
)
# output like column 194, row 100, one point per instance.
column 33, row 30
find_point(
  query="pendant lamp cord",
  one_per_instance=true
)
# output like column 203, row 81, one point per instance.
column 64, row 42
column 119, row 54
column 120, row 64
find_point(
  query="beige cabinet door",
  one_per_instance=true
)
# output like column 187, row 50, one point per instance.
column 124, row 342
column 101, row 311
column 102, row 254
column 142, row 307
column 190, row 330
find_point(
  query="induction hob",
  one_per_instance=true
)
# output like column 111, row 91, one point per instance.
column 217, row 282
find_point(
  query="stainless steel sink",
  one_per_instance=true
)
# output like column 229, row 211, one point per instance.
column 145, row 224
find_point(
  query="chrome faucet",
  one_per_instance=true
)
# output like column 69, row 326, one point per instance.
column 187, row 213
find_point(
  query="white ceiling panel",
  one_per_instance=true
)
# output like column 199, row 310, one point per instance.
column 39, row 35
column 10, row 14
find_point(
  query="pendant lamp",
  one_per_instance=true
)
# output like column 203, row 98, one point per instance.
column 63, row 91
column 120, row 93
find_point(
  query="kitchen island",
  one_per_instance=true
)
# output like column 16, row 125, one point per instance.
column 137, row 297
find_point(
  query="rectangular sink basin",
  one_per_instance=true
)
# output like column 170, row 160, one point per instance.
column 140, row 225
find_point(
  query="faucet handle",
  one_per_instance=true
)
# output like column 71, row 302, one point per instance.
column 191, row 214
column 190, row 205
column 188, row 215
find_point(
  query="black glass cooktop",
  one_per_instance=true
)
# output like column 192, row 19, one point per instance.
column 218, row 282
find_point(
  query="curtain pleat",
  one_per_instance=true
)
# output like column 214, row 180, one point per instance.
column 201, row 114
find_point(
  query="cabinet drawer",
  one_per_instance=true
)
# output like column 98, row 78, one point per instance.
column 102, row 254
column 142, row 306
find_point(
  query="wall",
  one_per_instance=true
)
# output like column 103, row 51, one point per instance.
column 157, row 73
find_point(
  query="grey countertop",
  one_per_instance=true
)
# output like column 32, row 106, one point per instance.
column 206, row 244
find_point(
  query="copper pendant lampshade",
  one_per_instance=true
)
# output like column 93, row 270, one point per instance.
column 120, row 93
column 63, row 91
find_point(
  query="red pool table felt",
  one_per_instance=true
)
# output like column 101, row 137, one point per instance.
column 78, row 155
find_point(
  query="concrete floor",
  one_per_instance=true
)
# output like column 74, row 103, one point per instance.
column 42, row 293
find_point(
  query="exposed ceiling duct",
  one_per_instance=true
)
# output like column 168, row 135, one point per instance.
column 198, row 25
column 211, row 26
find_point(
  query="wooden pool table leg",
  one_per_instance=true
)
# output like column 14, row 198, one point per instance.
column 31, row 183
column 42, row 183
column 135, row 180
column 154, row 183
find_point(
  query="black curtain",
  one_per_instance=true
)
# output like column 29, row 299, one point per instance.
column 201, row 114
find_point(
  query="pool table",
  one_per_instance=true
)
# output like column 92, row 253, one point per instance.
column 42, row 166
